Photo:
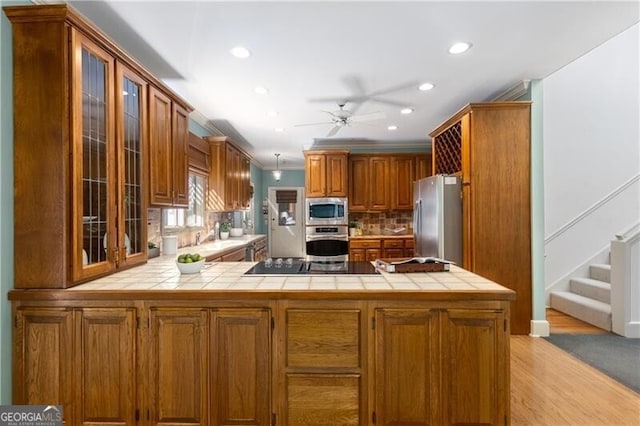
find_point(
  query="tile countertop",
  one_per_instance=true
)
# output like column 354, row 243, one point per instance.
column 213, row 249
column 220, row 279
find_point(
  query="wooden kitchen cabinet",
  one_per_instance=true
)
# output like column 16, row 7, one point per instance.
column 43, row 356
column 407, row 367
column 178, row 374
column 168, row 156
column 88, row 172
column 240, row 367
column 383, row 182
column 82, row 359
column 475, row 390
column 105, row 354
column 323, row 366
column 365, row 250
column 488, row 144
column 229, row 180
column 326, row 173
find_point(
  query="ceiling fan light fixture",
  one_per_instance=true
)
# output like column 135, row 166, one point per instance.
column 277, row 173
column 406, row 110
column 459, row 47
column 392, row 128
column 261, row 90
column 240, row 52
column 426, row 86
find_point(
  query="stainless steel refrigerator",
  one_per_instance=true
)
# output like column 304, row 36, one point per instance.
column 437, row 217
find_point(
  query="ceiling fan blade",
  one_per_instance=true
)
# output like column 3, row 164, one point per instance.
column 388, row 102
column 354, row 83
column 313, row 124
column 396, row 88
column 333, row 131
column 368, row 117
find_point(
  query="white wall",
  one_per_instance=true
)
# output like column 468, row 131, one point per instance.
column 591, row 135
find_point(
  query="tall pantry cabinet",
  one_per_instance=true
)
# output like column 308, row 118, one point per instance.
column 81, row 151
column 488, row 145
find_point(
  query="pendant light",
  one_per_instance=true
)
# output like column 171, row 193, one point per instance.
column 277, row 173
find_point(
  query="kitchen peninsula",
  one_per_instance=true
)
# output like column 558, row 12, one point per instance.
column 148, row 345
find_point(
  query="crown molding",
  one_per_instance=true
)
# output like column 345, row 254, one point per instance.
column 513, row 93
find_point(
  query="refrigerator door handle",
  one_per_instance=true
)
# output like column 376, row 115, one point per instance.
column 417, row 231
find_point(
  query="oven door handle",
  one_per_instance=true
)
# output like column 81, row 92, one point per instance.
column 342, row 237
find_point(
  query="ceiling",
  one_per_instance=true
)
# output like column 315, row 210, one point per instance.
column 313, row 55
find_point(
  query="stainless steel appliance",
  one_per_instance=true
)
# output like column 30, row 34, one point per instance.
column 437, row 217
column 326, row 211
column 301, row 267
column 327, row 243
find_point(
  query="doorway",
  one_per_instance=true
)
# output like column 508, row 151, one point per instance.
column 286, row 222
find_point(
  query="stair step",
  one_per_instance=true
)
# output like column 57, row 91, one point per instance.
column 593, row 289
column 588, row 310
column 600, row 271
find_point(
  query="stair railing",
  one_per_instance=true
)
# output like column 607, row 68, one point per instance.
column 625, row 283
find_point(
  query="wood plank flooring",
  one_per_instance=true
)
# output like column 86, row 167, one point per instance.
column 551, row 387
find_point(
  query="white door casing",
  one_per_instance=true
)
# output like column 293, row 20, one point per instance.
column 286, row 222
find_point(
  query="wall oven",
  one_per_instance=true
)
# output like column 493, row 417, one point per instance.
column 326, row 211
column 327, row 243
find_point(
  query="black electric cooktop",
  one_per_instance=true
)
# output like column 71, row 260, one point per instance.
column 302, row 267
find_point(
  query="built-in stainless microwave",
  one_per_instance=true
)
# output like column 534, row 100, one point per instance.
column 326, row 211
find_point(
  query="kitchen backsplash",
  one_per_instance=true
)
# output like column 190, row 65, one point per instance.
column 376, row 223
column 187, row 235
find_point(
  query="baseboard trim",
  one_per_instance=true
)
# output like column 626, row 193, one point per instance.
column 539, row 328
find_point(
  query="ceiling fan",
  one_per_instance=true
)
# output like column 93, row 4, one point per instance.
column 343, row 117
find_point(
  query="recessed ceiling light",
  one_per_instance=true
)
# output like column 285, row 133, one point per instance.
column 406, row 110
column 426, row 86
column 240, row 52
column 279, row 129
column 459, row 47
column 261, row 90
column 392, row 128
column 272, row 113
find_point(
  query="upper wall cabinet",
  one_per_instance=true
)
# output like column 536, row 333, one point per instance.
column 488, row 144
column 230, row 177
column 326, row 173
column 81, row 127
column 383, row 182
column 168, row 144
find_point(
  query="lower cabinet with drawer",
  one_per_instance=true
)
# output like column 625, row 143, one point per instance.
column 370, row 249
column 310, row 360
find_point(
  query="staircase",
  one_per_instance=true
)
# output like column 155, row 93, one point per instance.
column 588, row 299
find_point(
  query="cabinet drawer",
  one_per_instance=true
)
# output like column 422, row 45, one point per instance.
column 408, row 243
column 323, row 338
column 393, row 243
column 364, row 243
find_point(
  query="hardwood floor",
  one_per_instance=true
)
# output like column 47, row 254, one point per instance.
column 551, row 387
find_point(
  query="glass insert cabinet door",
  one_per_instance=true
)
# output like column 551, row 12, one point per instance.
column 108, row 123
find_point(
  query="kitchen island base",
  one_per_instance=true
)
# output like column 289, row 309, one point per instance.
column 264, row 357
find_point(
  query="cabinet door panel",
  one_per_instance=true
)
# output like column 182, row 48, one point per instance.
column 43, row 357
column 474, row 367
column 131, row 133
column 322, row 399
column 357, row 255
column 379, row 189
column 180, row 156
column 107, row 362
column 240, row 367
column 359, row 184
column 337, row 170
column 93, row 160
column 323, row 339
column 407, row 367
column 372, row 254
column 160, row 149
column 402, row 177
column 178, row 374
column 316, row 175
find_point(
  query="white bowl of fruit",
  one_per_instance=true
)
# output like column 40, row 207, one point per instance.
column 189, row 263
